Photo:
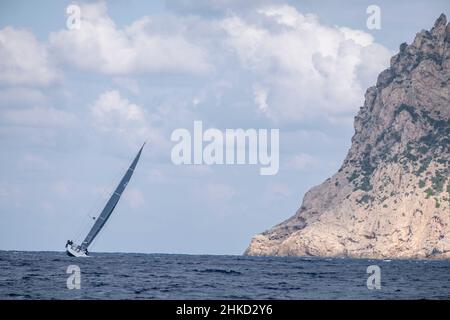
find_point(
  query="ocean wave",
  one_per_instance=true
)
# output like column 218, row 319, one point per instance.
column 223, row 271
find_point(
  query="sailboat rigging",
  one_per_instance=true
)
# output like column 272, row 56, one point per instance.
column 74, row 250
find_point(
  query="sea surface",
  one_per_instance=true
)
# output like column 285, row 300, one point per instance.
column 42, row 275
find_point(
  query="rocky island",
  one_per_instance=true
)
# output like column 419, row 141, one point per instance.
column 391, row 196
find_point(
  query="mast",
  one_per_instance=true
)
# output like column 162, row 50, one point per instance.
column 111, row 204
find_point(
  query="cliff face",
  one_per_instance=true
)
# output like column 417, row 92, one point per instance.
column 391, row 197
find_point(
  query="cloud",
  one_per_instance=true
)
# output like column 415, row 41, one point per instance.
column 214, row 6
column 127, row 83
column 45, row 127
column 20, row 96
column 293, row 66
column 101, row 46
column 260, row 97
column 308, row 68
column 113, row 114
column 37, row 117
column 23, row 60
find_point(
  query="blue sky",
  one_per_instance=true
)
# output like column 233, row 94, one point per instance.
column 75, row 105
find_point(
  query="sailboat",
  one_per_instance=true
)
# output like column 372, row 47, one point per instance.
column 75, row 250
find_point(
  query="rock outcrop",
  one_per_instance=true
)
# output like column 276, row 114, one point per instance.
column 391, row 196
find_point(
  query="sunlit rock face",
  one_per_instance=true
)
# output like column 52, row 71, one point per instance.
column 391, row 196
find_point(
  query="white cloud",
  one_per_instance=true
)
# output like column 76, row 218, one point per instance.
column 309, row 68
column 23, row 60
column 45, row 117
column 294, row 66
column 127, row 83
column 260, row 97
column 214, row 5
column 22, row 96
column 101, row 46
column 113, row 114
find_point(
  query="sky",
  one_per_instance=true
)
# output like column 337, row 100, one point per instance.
column 77, row 103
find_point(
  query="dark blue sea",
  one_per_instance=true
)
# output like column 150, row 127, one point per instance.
column 42, row 275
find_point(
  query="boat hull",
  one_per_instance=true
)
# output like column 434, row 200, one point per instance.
column 71, row 252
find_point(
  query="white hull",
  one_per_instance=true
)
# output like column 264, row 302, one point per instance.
column 73, row 252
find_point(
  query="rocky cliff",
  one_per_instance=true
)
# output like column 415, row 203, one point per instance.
column 391, row 197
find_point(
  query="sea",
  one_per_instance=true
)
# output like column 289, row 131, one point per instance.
column 53, row 275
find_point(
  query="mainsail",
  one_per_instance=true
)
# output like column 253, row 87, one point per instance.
column 111, row 204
